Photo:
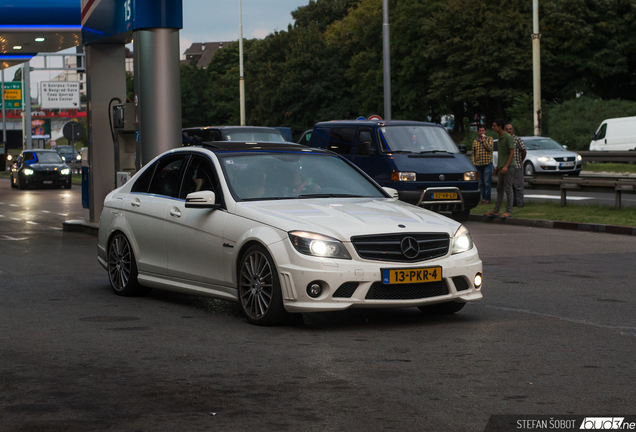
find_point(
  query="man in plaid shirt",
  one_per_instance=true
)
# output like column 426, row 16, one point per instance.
column 520, row 155
column 482, row 159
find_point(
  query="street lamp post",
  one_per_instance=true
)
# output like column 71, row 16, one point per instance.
column 241, row 78
column 386, row 56
column 536, row 68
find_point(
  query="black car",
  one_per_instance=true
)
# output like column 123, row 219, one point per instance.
column 38, row 168
column 71, row 156
column 197, row 135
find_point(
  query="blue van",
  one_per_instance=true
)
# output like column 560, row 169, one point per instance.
column 419, row 160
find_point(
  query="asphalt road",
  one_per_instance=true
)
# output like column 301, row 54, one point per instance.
column 555, row 334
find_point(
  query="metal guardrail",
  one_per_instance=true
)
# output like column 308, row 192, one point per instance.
column 608, row 156
column 604, row 184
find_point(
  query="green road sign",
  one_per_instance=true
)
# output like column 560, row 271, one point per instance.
column 13, row 95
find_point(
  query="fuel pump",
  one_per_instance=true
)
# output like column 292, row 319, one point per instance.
column 123, row 131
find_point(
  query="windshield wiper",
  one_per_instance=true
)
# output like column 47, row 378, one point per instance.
column 436, row 151
column 401, row 151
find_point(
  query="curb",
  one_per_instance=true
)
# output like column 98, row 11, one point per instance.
column 573, row 226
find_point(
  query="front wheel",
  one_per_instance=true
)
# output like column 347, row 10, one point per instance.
column 528, row 169
column 442, row 308
column 122, row 268
column 259, row 288
column 68, row 185
column 13, row 182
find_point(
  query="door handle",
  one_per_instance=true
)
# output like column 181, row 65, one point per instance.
column 135, row 202
column 175, row 212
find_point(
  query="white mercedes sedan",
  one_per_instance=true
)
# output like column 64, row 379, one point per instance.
column 281, row 229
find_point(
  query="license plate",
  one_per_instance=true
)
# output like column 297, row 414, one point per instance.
column 418, row 275
column 445, row 195
column 566, row 164
column 47, row 182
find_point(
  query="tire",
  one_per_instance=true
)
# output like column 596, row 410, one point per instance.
column 258, row 287
column 461, row 216
column 13, row 185
column 21, row 183
column 68, row 185
column 122, row 268
column 442, row 308
column 528, row 169
column 576, row 173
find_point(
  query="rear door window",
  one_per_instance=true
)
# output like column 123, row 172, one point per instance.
column 341, row 140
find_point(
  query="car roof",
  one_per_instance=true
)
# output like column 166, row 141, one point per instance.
column 236, row 146
column 380, row 123
column 231, row 128
column 40, row 150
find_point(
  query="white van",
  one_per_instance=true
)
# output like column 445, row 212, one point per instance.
column 618, row 134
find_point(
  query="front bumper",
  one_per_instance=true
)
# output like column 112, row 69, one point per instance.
column 358, row 283
column 45, row 179
column 556, row 167
column 466, row 199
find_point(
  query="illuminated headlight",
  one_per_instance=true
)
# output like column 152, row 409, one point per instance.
column 318, row 245
column 63, row 158
column 403, row 176
column 470, row 176
column 579, row 158
column 462, row 242
column 78, row 157
column 27, row 171
column 545, row 159
column 9, row 157
column 65, row 171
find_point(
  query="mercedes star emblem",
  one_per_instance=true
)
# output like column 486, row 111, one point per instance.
column 410, row 247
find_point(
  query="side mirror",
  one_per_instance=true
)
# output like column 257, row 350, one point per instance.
column 201, row 200
column 594, row 136
column 363, row 148
column 463, row 149
column 564, row 146
column 393, row 192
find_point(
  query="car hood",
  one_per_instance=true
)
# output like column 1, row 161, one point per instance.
column 47, row 166
column 551, row 153
column 343, row 218
column 433, row 163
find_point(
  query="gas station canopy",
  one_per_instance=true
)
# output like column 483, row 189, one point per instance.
column 28, row 27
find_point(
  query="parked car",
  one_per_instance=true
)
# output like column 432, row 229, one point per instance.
column 71, row 156
column 617, row 134
column 281, row 229
column 197, row 135
column 38, row 168
column 546, row 156
column 419, row 160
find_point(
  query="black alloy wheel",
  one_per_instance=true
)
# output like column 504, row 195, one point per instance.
column 259, row 288
column 122, row 268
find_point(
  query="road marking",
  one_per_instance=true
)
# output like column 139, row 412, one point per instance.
column 13, row 205
column 45, row 211
column 1, row 215
column 56, row 228
column 555, row 197
column 6, row 237
column 63, row 214
column 16, row 219
column 32, row 223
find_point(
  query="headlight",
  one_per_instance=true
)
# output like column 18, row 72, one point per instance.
column 78, row 157
column 545, row 159
column 318, row 245
column 9, row 157
column 470, row 176
column 27, row 171
column 63, row 158
column 579, row 157
column 65, row 171
column 403, row 176
column 462, row 242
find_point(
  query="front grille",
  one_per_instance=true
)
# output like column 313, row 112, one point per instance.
column 388, row 247
column 435, row 177
column 565, row 159
column 47, row 174
column 346, row 290
column 460, row 283
column 379, row 291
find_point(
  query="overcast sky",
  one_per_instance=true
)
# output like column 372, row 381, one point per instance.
column 211, row 21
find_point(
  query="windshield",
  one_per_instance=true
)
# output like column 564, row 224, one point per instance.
column 267, row 176
column 542, row 144
column 48, row 157
column 418, row 139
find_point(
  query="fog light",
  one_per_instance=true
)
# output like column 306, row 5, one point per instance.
column 477, row 280
column 314, row 289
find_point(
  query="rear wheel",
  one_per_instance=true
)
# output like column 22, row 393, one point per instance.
column 122, row 268
column 442, row 308
column 528, row 169
column 259, row 288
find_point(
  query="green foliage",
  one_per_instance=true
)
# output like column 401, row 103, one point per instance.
column 130, row 86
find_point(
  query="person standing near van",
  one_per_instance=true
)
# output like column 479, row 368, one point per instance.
column 505, row 170
column 520, row 155
column 482, row 159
